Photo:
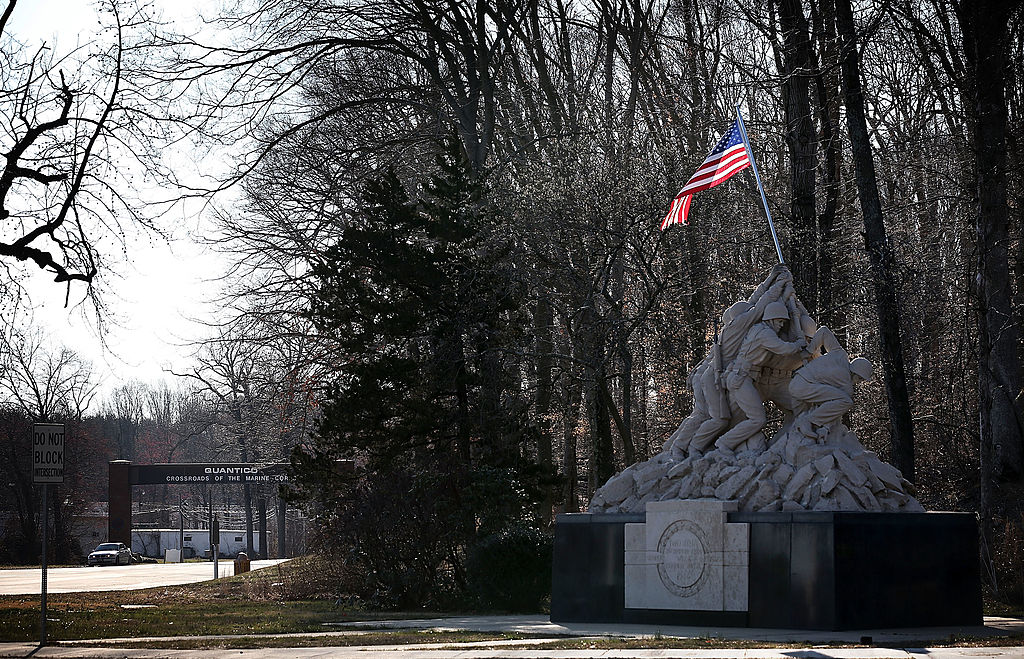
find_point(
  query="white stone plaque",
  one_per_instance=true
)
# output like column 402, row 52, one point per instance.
column 687, row 557
column 683, row 558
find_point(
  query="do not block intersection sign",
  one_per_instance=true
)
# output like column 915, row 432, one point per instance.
column 48, row 453
column 47, row 467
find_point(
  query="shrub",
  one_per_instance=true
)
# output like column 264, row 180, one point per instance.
column 511, row 569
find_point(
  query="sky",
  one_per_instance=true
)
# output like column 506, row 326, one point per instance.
column 159, row 292
column 158, row 305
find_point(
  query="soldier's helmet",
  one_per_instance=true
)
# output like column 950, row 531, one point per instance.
column 861, row 367
column 775, row 310
column 735, row 310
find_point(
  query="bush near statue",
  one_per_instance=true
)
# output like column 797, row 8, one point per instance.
column 769, row 350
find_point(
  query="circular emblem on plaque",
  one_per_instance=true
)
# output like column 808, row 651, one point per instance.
column 683, row 557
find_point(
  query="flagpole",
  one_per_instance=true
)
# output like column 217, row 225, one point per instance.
column 757, row 177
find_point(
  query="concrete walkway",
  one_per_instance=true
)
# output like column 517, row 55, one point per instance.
column 994, row 626
column 459, row 652
column 908, row 643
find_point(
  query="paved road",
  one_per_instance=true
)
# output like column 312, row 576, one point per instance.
column 121, row 577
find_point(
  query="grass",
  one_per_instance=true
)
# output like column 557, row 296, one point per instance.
column 408, row 637
column 994, row 607
column 662, row 643
column 670, row 643
column 38, row 567
column 283, row 600
column 89, row 617
column 274, row 600
column 399, row 637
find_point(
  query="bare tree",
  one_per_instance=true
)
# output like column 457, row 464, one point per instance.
column 72, row 126
column 588, row 116
column 984, row 26
column 255, row 402
column 799, row 69
column 38, row 384
column 879, row 249
column 125, row 407
column 46, row 384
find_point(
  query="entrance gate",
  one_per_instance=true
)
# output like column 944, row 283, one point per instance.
column 123, row 475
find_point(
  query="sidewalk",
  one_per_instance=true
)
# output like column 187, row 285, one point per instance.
column 994, row 626
column 456, row 652
column 813, row 640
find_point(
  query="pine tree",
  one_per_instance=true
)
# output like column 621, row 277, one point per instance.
column 424, row 299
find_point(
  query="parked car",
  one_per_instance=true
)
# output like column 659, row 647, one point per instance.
column 111, row 553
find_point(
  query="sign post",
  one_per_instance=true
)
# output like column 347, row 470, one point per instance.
column 42, row 590
column 47, row 467
column 215, row 546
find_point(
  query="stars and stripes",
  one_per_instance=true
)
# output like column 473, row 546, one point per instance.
column 728, row 157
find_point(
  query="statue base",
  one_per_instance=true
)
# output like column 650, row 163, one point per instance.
column 699, row 563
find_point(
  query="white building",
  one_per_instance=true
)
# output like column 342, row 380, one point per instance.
column 153, row 542
column 89, row 527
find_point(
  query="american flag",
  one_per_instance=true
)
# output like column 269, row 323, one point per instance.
column 728, row 157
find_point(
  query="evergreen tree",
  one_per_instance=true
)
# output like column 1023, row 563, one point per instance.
column 424, row 299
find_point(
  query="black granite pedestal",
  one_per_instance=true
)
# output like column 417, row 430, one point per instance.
column 810, row 570
column 587, row 583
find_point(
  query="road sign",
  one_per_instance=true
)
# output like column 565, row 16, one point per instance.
column 225, row 474
column 48, row 453
column 47, row 467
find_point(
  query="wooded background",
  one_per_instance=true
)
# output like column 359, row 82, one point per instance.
column 447, row 264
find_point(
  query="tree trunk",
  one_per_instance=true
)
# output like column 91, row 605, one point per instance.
column 798, row 72
column 827, row 91
column 693, row 260
column 879, row 250
column 591, row 338
column 570, row 470
column 623, row 419
column 494, row 434
column 603, row 458
column 261, row 507
column 247, row 502
column 543, row 319
column 985, row 33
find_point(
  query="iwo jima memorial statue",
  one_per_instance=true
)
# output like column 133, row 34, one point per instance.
column 803, row 529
